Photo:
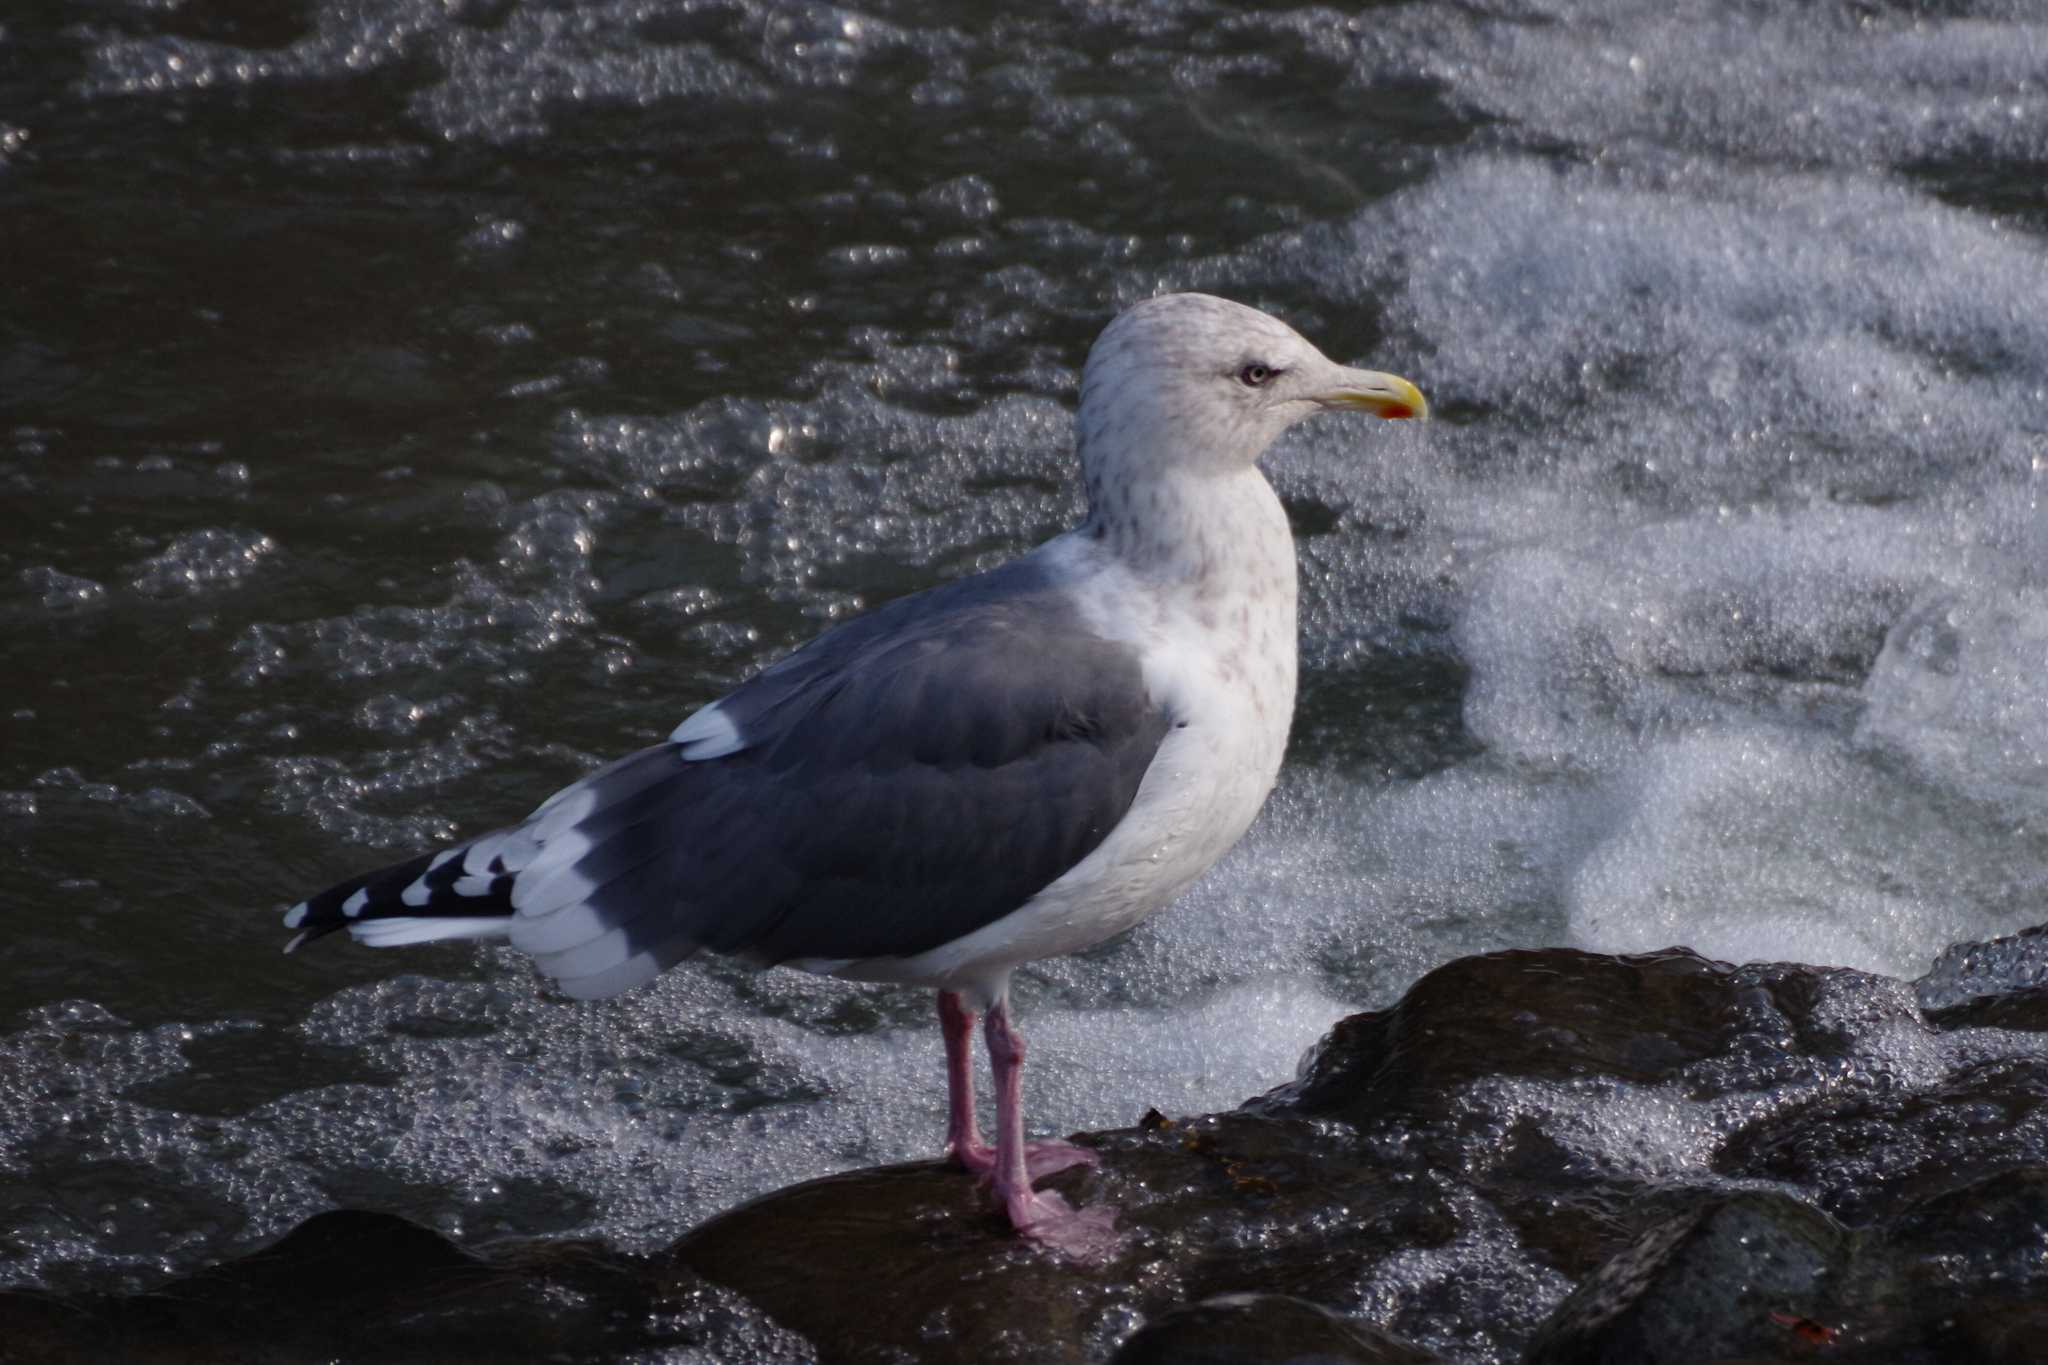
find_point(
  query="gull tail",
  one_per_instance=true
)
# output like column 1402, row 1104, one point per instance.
column 429, row 897
column 578, row 883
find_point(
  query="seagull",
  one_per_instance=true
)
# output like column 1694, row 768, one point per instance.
column 1004, row 768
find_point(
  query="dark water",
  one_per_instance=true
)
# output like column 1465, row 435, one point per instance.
column 409, row 404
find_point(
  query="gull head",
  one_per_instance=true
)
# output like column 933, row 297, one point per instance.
column 1194, row 383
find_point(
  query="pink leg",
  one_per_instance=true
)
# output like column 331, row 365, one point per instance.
column 1045, row 1218
column 963, row 1133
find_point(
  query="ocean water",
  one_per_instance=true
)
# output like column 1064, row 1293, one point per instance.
column 409, row 404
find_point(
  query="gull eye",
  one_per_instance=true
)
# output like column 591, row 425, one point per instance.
column 1254, row 374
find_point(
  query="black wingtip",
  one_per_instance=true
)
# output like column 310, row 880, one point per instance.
column 310, row 934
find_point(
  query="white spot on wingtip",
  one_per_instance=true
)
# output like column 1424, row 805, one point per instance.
column 417, row 894
column 443, row 856
column 472, row 886
column 353, row 906
column 477, row 862
column 708, row 733
column 294, row 917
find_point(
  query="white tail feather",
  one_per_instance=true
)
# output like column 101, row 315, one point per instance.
column 391, row 933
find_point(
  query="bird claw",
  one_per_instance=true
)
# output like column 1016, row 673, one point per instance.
column 1044, row 1158
column 1045, row 1218
column 1088, row 1234
column 1040, row 1159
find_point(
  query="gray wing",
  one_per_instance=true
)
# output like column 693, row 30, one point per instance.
column 896, row 784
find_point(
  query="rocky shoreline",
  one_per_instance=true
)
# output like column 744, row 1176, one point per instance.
column 1551, row 1156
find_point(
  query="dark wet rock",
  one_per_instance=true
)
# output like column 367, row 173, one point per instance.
column 2004, row 978
column 1555, row 1014
column 910, row 1263
column 2023, row 1010
column 900, row 1263
column 1555, row 1156
column 1956, row 1280
column 1263, row 1329
column 1668, row 1297
column 1865, row 1156
column 370, row 1286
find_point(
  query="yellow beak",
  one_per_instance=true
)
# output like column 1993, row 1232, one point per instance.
column 1382, row 395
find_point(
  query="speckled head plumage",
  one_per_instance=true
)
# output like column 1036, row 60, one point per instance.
column 1198, row 383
